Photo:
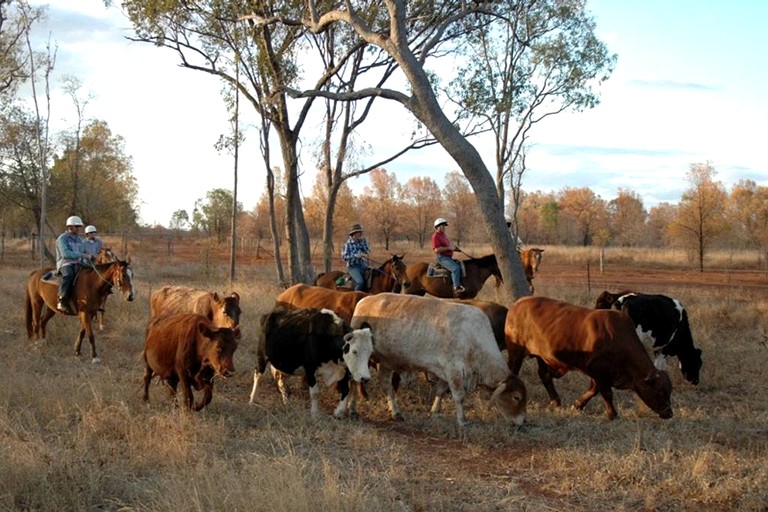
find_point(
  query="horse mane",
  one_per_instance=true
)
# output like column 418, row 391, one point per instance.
column 486, row 261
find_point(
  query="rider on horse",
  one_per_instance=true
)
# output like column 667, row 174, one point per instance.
column 70, row 254
column 444, row 250
column 355, row 252
column 92, row 245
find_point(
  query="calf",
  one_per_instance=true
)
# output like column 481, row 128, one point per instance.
column 221, row 311
column 452, row 341
column 662, row 325
column 186, row 348
column 602, row 344
column 317, row 341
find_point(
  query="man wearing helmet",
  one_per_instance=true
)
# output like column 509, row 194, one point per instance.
column 444, row 249
column 69, row 255
column 355, row 252
column 92, row 245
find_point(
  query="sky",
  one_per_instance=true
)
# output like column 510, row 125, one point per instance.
column 688, row 87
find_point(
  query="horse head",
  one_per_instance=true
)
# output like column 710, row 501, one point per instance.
column 490, row 263
column 121, row 277
column 398, row 270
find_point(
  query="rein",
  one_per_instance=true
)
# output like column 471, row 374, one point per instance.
column 93, row 267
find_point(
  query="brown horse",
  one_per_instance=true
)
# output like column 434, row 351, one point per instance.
column 531, row 259
column 478, row 270
column 105, row 256
column 91, row 285
column 389, row 277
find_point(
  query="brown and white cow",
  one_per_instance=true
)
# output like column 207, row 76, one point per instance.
column 304, row 296
column 452, row 341
column 319, row 342
column 662, row 325
column 600, row 343
column 188, row 349
column 221, row 311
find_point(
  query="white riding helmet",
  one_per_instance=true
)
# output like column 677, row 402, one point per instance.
column 90, row 229
column 439, row 221
column 74, row 221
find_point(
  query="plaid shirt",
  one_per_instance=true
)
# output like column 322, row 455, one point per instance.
column 353, row 247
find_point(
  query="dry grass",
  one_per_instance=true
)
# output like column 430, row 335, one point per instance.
column 78, row 437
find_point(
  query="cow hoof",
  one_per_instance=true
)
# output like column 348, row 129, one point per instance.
column 96, row 360
column 398, row 417
column 353, row 415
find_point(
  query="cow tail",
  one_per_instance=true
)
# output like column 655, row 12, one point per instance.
column 28, row 313
column 267, row 324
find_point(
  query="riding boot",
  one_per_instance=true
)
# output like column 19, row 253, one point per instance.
column 62, row 305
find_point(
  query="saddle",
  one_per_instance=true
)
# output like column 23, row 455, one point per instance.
column 435, row 269
column 345, row 280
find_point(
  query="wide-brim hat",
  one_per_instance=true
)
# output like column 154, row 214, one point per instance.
column 356, row 228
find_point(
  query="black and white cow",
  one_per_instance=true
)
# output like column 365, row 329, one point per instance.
column 320, row 343
column 662, row 325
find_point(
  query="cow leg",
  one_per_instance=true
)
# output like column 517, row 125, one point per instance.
column 207, row 396
column 343, row 387
column 546, row 378
column 516, row 357
column 257, row 375
column 314, row 391
column 148, row 373
column 605, row 391
column 280, row 379
column 385, row 380
column 186, row 388
column 439, row 389
column 459, row 394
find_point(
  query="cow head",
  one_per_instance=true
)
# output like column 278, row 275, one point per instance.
column 655, row 390
column 691, row 365
column 511, row 398
column 606, row 300
column 226, row 310
column 358, row 346
column 217, row 348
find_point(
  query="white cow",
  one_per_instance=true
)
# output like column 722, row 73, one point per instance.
column 453, row 341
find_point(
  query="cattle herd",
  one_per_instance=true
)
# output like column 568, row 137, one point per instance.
column 338, row 337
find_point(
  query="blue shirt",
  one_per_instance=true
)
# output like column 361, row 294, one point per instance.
column 69, row 250
column 92, row 246
column 351, row 248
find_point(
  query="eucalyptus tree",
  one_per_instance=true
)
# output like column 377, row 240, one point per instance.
column 413, row 35
column 210, row 36
column 529, row 61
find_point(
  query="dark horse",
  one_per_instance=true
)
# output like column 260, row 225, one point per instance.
column 389, row 277
column 91, row 286
column 478, row 270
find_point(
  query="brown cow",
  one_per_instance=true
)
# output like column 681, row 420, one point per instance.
column 304, row 296
column 531, row 259
column 600, row 343
column 221, row 311
column 186, row 348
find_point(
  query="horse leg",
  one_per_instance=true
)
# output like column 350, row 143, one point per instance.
column 44, row 314
column 89, row 327
column 101, row 312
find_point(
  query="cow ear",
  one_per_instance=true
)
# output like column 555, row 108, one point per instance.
column 204, row 329
column 346, row 347
column 235, row 296
column 236, row 332
column 216, row 296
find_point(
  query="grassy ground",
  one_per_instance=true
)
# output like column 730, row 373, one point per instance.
column 75, row 436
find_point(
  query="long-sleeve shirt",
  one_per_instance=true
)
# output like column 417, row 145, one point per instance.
column 440, row 239
column 351, row 248
column 69, row 250
column 92, row 246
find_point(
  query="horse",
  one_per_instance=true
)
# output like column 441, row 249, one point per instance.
column 389, row 277
column 105, row 256
column 91, row 286
column 478, row 270
column 531, row 259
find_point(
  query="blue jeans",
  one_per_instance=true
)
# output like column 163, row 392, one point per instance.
column 358, row 274
column 68, row 273
column 453, row 267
